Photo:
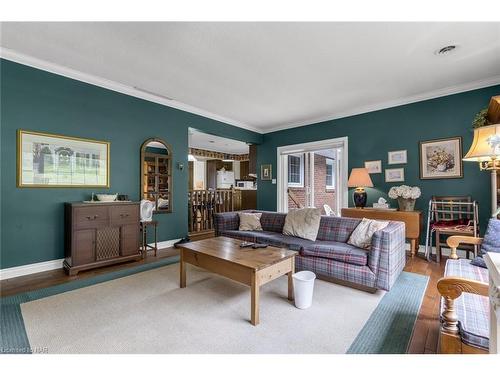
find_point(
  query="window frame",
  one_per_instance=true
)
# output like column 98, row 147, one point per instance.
column 332, row 162
column 301, row 171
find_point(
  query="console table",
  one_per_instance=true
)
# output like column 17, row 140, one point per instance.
column 412, row 220
column 100, row 234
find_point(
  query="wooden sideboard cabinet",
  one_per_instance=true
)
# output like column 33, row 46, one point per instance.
column 412, row 220
column 100, row 234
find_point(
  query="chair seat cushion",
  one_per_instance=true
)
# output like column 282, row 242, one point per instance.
column 472, row 309
column 339, row 251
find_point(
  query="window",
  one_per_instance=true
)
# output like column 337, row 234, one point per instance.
column 330, row 174
column 296, row 170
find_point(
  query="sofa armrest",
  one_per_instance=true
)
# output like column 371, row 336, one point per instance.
column 387, row 256
column 226, row 221
column 451, row 288
column 454, row 241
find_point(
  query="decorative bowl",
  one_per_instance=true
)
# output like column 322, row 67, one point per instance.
column 106, row 197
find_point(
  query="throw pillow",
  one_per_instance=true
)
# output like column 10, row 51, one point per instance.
column 250, row 220
column 491, row 242
column 362, row 236
column 303, row 223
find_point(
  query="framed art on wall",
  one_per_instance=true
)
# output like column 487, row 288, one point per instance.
column 441, row 158
column 397, row 157
column 374, row 166
column 266, row 172
column 50, row 160
column 395, row 175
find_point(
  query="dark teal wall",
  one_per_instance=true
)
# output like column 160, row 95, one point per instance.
column 372, row 135
column 32, row 219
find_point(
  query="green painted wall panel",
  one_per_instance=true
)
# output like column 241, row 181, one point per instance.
column 32, row 218
column 372, row 135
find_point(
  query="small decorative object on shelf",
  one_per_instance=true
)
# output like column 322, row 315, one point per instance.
column 406, row 196
column 382, row 204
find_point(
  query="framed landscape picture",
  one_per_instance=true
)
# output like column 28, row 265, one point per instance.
column 441, row 158
column 397, row 157
column 395, row 175
column 49, row 160
column 374, row 166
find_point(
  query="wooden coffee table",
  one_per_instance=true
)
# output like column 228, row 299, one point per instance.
column 252, row 267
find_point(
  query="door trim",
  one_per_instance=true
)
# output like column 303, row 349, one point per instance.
column 282, row 169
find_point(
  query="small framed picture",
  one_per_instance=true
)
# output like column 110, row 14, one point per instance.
column 266, row 172
column 441, row 158
column 374, row 166
column 397, row 157
column 395, row 175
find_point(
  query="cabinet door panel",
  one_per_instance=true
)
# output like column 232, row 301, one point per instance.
column 129, row 239
column 84, row 247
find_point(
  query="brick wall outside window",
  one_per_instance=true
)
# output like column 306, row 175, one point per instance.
column 322, row 195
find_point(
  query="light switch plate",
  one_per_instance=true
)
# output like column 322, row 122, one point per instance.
column 273, row 181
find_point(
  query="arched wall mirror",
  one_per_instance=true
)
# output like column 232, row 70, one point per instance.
column 156, row 174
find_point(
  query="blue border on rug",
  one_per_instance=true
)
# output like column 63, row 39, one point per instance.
column 390, row 327
column 13, row 337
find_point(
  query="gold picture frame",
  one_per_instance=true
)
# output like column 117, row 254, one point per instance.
column 80, row 164
column 441, row 158
column 266, row 172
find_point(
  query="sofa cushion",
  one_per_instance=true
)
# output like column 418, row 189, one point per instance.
column 268, row 237
column 303, row 223
column 336, row 228
column 336, row 250
column 472, row 309
column 272, row 221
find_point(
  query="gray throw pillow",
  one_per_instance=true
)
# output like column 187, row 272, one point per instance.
column 250, row 220
column 491, row 242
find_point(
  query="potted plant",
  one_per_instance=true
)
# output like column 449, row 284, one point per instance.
column 406, row 196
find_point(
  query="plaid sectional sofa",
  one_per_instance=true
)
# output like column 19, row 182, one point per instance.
column 472, row 309
column 330, row 255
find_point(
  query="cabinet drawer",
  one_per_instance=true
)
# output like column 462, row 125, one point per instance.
column 128, row 214
column 90, row 217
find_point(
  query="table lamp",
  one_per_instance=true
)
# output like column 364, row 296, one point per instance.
column 359, row 179
column 485, row 149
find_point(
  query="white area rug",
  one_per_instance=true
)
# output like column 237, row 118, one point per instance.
column 148, row 313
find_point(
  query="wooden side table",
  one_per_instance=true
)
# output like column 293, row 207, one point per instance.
column 412, row 220
column 144, row 232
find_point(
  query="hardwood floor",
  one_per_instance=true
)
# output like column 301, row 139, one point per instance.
column 425, row 335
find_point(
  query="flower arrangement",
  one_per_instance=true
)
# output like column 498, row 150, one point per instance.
column 404, row 191
column 441, row 160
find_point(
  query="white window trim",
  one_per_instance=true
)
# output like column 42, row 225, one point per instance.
column 332, row 162
column 301, row 183
column 341, row 193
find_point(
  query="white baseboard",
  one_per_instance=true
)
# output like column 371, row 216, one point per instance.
column 28, row 269
column 8, row 273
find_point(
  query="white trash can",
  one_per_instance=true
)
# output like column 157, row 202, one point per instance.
column 303, row 285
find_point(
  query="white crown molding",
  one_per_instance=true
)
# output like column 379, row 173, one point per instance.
column 21, row 58
column 12, row 55
column 492, row 81
column 28, row 269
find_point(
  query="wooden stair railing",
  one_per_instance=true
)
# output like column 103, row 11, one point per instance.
column 294, row 198
column 203, row 204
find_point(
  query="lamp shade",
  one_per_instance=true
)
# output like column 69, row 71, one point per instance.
column 359, row 178
column 485, row 145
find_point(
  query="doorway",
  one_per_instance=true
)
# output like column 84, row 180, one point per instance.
column 313, row 174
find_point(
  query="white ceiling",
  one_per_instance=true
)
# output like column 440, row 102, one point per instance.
column 268, row 76
column 211, row 142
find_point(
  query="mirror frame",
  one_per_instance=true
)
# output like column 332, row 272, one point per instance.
column 169, row 171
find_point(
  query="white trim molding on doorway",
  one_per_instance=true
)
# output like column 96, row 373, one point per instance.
column 338, row 144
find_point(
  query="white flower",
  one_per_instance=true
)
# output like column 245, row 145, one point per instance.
column 404, row 191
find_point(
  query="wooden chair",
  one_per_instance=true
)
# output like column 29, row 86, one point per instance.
column 448, row 216
column 451, row 287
